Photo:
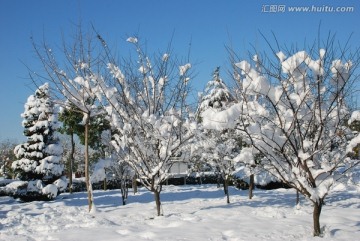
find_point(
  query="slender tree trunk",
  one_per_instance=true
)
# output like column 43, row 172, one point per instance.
column 226, row 189
column 200, row 179
column 158, row 203
column 105, row 186
column 251, row 186
column 124, row 192
column 71, row 161
column 316, row 217
column 134, row 184
column 297, row 197
column 87, row 174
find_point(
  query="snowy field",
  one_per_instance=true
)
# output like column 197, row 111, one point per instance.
column 190, row 213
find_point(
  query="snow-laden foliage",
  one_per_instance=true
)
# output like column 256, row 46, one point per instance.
column 99, row 170
column 219, row 147
column 249, row 164
column 147, row 110
column 301, row 128
column 81, row 93
column 39, row 157
column 50, row 190
column 261, row 177
column 294, row 112
column 12, row 188
column 226, row 147
column 217, row 95
column 298, row 120
column 119, row 169
column 61, row 183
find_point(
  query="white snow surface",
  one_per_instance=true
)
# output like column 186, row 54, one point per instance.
column 190, row 213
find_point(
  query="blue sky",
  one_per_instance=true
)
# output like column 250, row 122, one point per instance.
column 208, row 25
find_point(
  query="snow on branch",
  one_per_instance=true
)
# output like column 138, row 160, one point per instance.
column 294, row 115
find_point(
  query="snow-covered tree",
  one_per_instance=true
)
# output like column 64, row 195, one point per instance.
column 295, row 114
column 7, row 157
column 219, row 114
column 124, row 173
column 39, row 157
column 113, row 162
column 75, row 83
column 70, row 119
column 146, row 103
column 221, row 146
column 217, row 95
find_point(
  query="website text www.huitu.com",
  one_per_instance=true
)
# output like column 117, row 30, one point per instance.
column 306, row 9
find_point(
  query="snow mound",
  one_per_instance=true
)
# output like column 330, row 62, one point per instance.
column 50, row 190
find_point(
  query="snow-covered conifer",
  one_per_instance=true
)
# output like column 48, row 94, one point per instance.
column 217, row 95
column 39, row 157
column 220, row 146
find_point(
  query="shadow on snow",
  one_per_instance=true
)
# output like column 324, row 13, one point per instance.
column 262, row 198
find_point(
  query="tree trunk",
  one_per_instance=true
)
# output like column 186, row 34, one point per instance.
column 226, row 189
column 158, row 203
column 71, row 160
column 251, row 186
column 297, row 197
column 87, row 174
column 134, row 184
column 105, row 182
column 316, row 217
column 200, row 179
column 124, row 192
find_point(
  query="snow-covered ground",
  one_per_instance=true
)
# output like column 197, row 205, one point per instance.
column 190, row 213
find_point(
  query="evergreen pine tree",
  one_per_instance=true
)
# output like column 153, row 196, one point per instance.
column 39, row 158
column 223, row 145
column 217, row 95
column 70, row 119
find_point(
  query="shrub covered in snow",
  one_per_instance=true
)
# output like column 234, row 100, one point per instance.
column 34, row 190
column 12, row 187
